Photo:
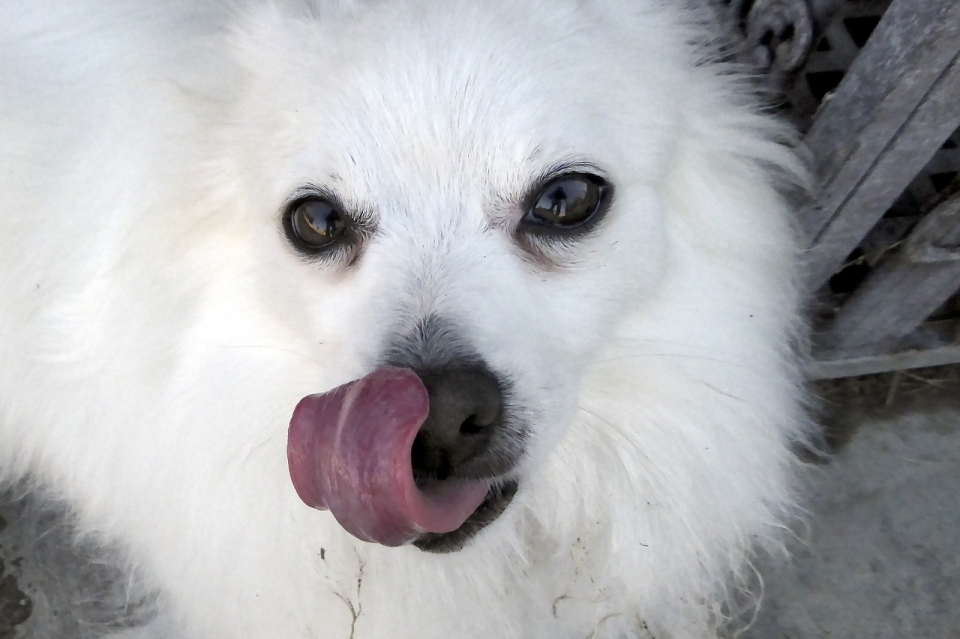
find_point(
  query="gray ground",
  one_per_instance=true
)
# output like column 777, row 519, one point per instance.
column 880, row 559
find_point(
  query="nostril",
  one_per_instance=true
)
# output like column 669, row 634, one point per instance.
column 470, row 426
column 429, row 462
column 419, row 460
column 443, row 470
column 466, row 403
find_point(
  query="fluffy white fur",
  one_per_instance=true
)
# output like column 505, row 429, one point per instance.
column 157, row 328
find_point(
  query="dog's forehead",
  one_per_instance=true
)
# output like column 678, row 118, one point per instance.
column 457, row 99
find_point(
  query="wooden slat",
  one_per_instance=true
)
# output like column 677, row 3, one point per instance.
column 884, row 363
column 894, row 109
column 909, row 33
column 933, row 344
column 859, row 200
column 906, row 288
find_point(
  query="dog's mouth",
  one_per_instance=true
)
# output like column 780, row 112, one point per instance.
column 349, row 451
column 498, row 498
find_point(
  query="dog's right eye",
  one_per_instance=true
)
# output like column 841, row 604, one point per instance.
column 315, row 224
column 568, row 204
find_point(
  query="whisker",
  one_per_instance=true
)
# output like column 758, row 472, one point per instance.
column 726, row 394
column 702, row 358
column 618, row 431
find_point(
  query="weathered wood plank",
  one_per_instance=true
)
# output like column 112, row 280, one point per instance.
column 874, row 180
column 894, row 109
column 933, row 344
column 913, row 43
column 873, row 364
column 906, row 288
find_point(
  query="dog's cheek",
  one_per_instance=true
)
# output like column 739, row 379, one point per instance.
column 266, row 298
column 623, row 265
column 580, row 310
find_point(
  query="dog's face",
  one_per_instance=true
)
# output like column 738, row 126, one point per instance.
column 466, row 196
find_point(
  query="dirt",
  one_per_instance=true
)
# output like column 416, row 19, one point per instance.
column 15, row 605
column 845, row 404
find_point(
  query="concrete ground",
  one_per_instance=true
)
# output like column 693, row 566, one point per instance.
column 881, row 556
column 878, row 559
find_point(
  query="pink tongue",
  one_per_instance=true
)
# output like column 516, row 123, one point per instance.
column 349, row 451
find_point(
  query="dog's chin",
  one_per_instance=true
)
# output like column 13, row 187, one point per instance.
column 492, row 507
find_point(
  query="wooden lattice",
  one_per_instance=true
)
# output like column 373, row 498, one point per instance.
column 875, row 86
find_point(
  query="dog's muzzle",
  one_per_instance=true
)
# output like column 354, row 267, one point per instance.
column 408, row 456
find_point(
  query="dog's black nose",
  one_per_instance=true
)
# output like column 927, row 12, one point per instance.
column 466, row 406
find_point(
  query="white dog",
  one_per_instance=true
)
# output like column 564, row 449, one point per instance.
column 543, row 239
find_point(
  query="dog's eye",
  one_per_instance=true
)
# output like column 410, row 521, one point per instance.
column 567, row 202
column 315, row 224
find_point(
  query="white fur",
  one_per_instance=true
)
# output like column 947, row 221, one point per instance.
column 157, row 328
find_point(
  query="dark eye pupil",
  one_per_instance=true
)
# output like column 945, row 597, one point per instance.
column 317, row 223
column 567, row 195
column 567, row 202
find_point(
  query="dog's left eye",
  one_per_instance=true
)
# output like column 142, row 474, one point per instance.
column 567, row 202
column 315, row 224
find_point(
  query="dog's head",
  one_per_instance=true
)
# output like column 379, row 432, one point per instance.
column 473, row 195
